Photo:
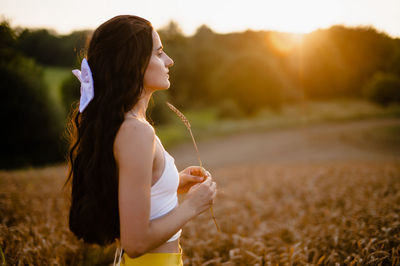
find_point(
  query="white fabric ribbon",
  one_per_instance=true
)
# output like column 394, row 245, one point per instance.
column 87, row 89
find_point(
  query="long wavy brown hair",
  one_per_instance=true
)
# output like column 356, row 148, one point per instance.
column 118, row 54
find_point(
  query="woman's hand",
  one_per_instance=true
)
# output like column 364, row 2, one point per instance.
column 201, row 196
column 192, row 175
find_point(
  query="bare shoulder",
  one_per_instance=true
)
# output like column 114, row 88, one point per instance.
column 135, row 127
column 135, row 134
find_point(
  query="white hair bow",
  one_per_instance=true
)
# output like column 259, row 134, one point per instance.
column 87, row 90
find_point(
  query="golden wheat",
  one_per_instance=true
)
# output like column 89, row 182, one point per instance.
column 285, row 214
column 187, row 124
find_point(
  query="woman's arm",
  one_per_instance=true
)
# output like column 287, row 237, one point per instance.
column 134, row 149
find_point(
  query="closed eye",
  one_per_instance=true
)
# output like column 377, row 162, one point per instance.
column 160, row 50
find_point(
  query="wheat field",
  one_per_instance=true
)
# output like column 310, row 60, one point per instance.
column 285, row 214
column 326, row 212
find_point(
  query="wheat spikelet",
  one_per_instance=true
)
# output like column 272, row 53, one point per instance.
column 187, row 124
column 181, row 116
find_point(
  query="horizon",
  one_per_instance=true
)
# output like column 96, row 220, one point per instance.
column 56, row 32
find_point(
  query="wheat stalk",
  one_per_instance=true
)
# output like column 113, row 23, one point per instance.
column 187, row 124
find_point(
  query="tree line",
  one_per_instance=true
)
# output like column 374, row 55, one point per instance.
column 237, row 73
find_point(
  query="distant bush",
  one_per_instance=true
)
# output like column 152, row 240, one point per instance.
column 252, row 83
column 49, row 48
column 70, row 91
column 383, row 88
column 229, row 109
column 31, row 123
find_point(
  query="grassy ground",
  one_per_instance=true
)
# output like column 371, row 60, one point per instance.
column 206, row 124
column 54, row 76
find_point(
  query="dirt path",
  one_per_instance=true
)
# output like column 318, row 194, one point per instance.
column 329, row 142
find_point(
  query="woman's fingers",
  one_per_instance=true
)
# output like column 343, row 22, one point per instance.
column 206, row 173
column 201, row 195
column 194, row 178
column 213, row 186
column 194, row 187
column 208, row 180
column 198, row 171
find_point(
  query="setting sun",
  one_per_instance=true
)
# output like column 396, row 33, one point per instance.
column 284, row 43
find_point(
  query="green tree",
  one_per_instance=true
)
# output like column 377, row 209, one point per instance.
column 336, row 62
column 252, row 83
column 383, row 88
column 49, row 48
column 33, row 125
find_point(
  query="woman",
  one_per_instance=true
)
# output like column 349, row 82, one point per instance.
column 124, row 184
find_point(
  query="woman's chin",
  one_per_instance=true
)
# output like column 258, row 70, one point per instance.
column 167, row 85
column 159, row 88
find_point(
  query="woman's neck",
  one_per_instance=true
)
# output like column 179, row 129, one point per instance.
column 139, row 110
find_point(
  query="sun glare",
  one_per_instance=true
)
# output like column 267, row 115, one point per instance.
column 284, row 43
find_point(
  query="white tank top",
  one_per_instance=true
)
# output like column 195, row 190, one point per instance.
column 164, row 196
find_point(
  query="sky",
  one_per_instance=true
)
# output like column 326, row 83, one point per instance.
column 222, row 16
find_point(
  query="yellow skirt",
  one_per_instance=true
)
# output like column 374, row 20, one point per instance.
column 153, row 259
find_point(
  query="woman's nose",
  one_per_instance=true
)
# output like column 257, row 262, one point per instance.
column 169, row 62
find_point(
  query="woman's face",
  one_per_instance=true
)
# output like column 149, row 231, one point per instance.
column 156, row 75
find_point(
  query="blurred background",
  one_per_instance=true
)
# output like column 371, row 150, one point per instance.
column 252, row 67
column 299, row 99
